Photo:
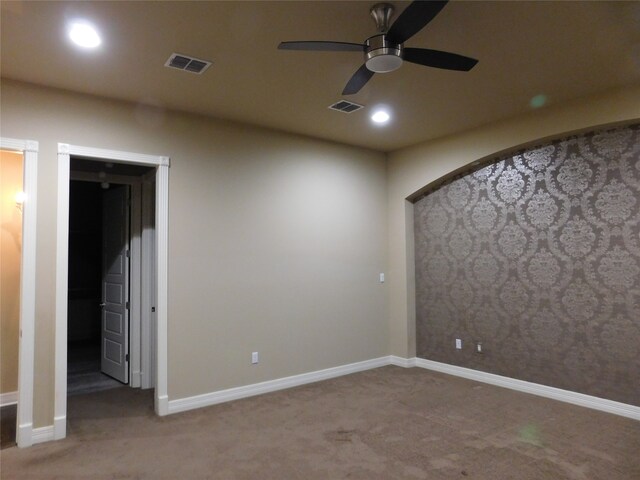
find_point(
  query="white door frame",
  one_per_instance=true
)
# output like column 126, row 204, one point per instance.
column 148, row 284
column 65, row 151
column 24, row 421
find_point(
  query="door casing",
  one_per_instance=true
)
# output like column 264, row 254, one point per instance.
column 65, row 151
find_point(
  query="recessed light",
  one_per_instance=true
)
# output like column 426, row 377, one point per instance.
column 380, row 116
column 84, row 35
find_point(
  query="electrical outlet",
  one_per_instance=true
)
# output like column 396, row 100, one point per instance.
column 479, row 347
column 254, row 357
column 458, row 343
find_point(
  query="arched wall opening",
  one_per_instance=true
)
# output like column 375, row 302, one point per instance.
column 533, row 258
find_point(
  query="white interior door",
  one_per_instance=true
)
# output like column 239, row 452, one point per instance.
column 115, row 283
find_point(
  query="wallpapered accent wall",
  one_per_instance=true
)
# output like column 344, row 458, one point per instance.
column 537, row 256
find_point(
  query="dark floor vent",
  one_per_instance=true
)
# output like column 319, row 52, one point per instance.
column 345, row 106
column 186, row 63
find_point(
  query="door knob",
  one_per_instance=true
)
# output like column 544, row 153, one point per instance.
column 102, row 305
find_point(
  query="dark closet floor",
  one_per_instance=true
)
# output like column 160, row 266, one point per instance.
column 8, row 426
column 83, row 370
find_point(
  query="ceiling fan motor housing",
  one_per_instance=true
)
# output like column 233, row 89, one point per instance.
column 382, row 56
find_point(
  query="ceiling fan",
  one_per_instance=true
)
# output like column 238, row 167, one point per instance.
column 385, row 51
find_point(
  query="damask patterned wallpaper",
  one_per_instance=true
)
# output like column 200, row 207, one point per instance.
column 537, row 256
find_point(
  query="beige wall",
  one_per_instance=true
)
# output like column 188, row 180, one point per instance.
column 10, row 248
column 411, row 169
column 275, row 241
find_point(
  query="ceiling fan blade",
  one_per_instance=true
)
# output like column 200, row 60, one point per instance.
column 438, row 59
column 322, row 46
column 359, row 79
column 413, row 19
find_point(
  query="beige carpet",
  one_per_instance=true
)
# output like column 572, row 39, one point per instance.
column 388, row 423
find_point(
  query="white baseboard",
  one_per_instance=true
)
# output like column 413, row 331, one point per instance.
column 59, row 427
column 136, row 379
column 213, row 398
column 162, row 405
column 9, row 398
column 165, row 406
column 24, row 435
column 402, row 362
column 42, row 434
column 596, row 403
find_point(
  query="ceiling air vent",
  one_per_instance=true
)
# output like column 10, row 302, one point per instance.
column 186, row 63
column 345, row 106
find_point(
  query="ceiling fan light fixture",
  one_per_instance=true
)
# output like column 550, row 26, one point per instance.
column 384, row 63
column 382, row 56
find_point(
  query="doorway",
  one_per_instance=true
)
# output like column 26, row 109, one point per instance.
column 94, row 361
column 147, row 272
column 11, row 176
column 108, row 216
column 24, row 414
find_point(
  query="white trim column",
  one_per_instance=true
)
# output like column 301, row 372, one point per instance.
column 134, row 285
column 26, row 347
column 148, row 283
column 62, row 292
column 162, row 265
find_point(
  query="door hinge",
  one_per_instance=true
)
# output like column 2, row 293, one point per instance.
column 126, row 357
column 127, row 254
column 126, row 305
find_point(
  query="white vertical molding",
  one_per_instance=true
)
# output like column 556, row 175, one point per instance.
column 410, row 282
column 162, row 264
column 62, row 276
column 26, row 347
column 148, row 284
column 134, row 312
column 26, row 341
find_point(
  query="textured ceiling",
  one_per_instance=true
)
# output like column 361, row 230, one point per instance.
column 563, row 50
